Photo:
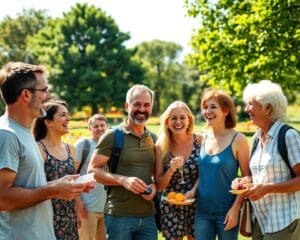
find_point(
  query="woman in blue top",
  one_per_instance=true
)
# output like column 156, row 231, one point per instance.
column 223, row 151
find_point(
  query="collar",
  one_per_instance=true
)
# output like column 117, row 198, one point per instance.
column 127, row 130
column 273, row 130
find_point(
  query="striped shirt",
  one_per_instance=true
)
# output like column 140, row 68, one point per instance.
column 275, row 211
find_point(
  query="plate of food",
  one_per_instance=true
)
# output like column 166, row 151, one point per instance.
column 177, row 199
column 238, row 191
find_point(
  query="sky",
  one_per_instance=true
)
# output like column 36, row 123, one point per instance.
column 144, row 20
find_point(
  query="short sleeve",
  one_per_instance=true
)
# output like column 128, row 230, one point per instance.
column 79, row 149
column 10, row 153
column 292, row 139
column 105, row 144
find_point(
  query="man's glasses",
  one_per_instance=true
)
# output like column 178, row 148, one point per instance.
column 44, row 90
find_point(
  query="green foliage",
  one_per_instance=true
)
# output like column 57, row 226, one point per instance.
column 242, row 41
column 163, row 72
column 87, row 59
column 14, row 33
column 2, row 107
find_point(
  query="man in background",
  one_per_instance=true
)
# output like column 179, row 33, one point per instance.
column 92, row 225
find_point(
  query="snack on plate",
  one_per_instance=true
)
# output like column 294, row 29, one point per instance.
column 175, row 196
column 179, row 197
column 171, row 195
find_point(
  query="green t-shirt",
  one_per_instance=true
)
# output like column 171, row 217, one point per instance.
column 137, row 159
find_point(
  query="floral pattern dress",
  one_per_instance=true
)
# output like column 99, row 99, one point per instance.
column 177, row 220
column 64, row 218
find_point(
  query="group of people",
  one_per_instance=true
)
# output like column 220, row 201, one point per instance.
column 40, row 198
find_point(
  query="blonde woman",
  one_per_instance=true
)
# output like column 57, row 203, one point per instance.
column 177, row 147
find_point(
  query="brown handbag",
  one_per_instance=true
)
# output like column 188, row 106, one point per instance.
column 245, row 219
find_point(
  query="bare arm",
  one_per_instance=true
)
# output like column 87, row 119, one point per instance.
column 73, row 155
column 134, row 184
column 14, row 197
column 241, row 152
column 162, row 178
column 192, row 193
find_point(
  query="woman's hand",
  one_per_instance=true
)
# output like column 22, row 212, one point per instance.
column 241, row 183
column 176, row 162
column 231, row 218
column 189, row 194
column 81, row 211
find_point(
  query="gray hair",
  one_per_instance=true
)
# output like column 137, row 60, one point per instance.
column 130, row 92
column 266, row 92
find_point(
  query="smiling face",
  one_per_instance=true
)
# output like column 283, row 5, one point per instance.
column 60, row 122
column 213, row 113
column 178, row 121
column 97, row 127
column 257, row 113
column 140, row 107
column 40, row 95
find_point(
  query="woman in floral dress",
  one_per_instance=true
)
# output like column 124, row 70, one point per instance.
column 176, row 138
column 59, row 162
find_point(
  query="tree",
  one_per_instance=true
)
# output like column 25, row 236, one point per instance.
column 242, row 41
column 163, row 71
column 88, row 61
column 14, row 33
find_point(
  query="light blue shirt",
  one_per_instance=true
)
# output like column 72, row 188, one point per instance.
column 275, row 211
column 94, row 200
column 19, row 153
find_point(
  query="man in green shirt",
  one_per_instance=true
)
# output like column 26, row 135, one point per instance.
column 129, row 212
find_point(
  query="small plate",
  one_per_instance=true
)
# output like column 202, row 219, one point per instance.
column 238, row 191
column 85, row 178
column 185, row 202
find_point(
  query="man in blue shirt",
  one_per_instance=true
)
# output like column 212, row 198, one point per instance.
column 25, row 208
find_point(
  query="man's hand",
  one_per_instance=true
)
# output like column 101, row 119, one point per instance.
column 257, row 191
column 134, row 184
column 150, row 196
column 65, row 187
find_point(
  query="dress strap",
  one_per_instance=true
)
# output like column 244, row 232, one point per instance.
column 68, row 148
column 43, row 146
column 234, row 137
column 195, row 141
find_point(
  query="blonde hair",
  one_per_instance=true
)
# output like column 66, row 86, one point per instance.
column 164, row 134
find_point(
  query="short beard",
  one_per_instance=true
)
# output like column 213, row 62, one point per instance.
column 139, row 121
